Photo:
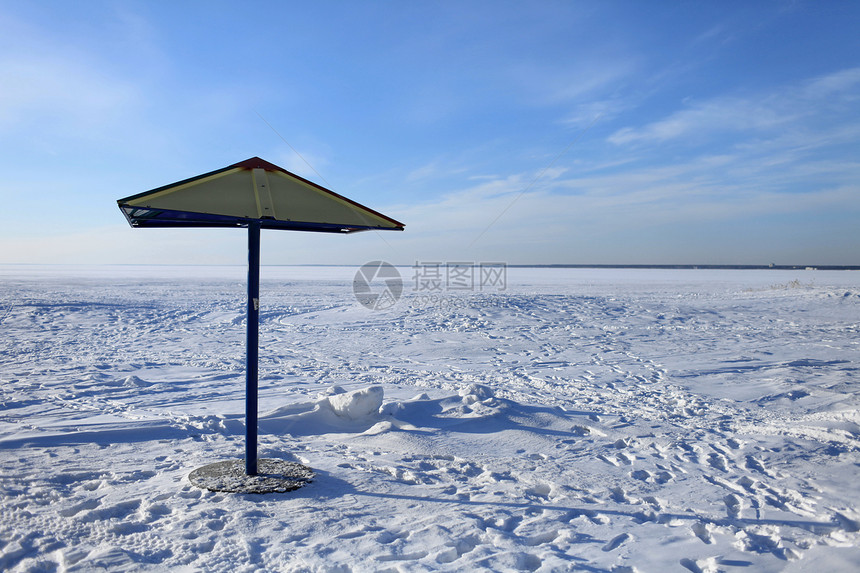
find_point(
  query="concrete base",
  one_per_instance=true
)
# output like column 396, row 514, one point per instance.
column 273, row 476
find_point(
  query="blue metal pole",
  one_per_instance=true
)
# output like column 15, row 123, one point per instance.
column 253, row 340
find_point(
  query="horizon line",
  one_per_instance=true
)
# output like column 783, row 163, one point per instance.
column 669, row 266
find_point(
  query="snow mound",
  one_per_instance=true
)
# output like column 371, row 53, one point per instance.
column 476, row 393
column 474, row 408
column 127, row 382
column 358, row 404
column 135, row 382
column 335, row 411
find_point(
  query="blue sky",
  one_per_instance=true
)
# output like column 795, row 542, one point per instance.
column 519, row 132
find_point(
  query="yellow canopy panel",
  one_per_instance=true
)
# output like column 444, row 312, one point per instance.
column 251, row 190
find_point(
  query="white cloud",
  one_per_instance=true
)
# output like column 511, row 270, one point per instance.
column 842, row 83
column 706, row 118
column 787, row 107
column 591, row 113
column 550, row 224
column 434, row 169
column 568, row 82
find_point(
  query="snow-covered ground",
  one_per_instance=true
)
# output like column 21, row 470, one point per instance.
column 595, row 420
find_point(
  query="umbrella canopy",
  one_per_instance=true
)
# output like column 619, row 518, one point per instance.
column 252, row 190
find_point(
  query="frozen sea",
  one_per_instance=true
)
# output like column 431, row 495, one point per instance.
column 577, row 420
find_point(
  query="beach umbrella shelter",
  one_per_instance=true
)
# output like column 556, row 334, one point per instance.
column 252, row 194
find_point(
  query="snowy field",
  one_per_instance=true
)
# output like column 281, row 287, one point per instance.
column 593, row 420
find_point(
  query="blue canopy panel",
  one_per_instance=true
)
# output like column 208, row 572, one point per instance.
column 162, row 218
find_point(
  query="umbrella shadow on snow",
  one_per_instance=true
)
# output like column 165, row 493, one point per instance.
column 105, row 434
column 817, row 527
column 328, row 486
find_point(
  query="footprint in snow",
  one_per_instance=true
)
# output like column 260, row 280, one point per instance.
column 387, row 537
column 611, row 461
column 541, row 538
column 617, row 541
column 718, row 461
column 528, row 562
column 708, row 565
column 734, row 505
column 540, row 490
column 653, row 502
column 755, row 465
column 618, row 495
column 117, row 511
column 701, row 531
column 77, row 508
column 642, row 475
column 508, row 524
column 460, row 548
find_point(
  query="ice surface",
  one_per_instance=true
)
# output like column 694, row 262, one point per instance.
column 608, row 420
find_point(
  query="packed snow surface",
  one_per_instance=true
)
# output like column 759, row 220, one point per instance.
column 594, row 420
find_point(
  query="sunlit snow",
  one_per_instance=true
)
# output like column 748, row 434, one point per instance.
column 596, row 420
